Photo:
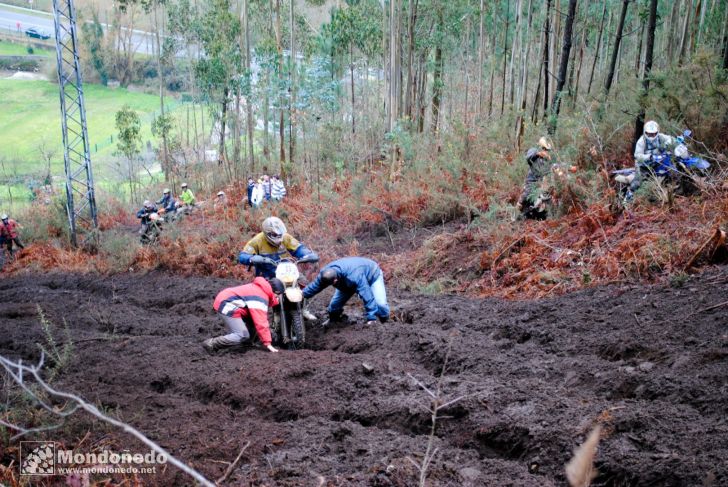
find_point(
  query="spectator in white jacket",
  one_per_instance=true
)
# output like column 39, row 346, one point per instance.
column 278, row 189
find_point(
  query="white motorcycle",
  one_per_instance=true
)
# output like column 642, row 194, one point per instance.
column 288, row 325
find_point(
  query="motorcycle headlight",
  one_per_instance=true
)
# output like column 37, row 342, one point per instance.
column 681, row 151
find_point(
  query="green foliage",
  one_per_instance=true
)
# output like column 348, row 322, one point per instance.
column 60, row 355
column 119, row 247
column 93, row 35
column 129, row 132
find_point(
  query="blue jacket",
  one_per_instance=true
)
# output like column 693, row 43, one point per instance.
column 251, row 185
column 356, row 275
column 145, row 214
column 168, row 203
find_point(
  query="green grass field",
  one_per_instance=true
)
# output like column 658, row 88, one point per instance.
column 31, row 117
column 19, row 49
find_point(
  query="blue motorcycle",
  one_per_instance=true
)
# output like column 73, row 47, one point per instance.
column 678, row 169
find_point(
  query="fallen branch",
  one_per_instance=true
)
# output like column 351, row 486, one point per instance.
column 18, row 371
column 233, row 465
column 716, row 239
column 709, row 308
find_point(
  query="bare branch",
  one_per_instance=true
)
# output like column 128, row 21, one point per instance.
column 16, row 371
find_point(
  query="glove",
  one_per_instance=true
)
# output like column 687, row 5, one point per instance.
column 260, row 260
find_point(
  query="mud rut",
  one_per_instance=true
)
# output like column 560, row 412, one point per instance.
column 536, row 376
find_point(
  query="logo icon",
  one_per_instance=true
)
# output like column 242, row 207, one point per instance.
column 37, row 457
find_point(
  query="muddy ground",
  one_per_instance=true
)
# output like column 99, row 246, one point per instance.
column 648, row 363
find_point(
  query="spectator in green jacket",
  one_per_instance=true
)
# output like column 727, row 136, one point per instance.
column 187, row 196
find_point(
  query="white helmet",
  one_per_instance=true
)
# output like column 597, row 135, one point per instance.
column 166, row 191
column 545, row 143
column 274, row 229
column 651, row 130
column 221, row 193
column 184, row 185
column 4, row 216
column 148, row 204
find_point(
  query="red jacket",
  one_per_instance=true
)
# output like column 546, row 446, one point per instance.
column 9, row 230
column 249, row 301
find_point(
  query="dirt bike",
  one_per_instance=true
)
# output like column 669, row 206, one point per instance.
column 288, row 327
column 149, row 234
column 679, row 171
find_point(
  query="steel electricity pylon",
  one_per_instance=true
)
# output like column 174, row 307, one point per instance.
column 80, row 198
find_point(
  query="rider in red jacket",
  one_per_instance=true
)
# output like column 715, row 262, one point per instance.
column 9, row 233
column 245, row 304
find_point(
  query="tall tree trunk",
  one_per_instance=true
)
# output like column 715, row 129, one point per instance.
column 556, row 21
column 520, row 123
column 696, row 25
column 725, row 41
column 563, row 65
column 165, row 158
column 394, row 75
column 578, row 70
column 505, row 56
column 491, row 82
column 671, row 32
column 292, row 90
column 481, row 48
column 615, row 49
column 410, row 84
column 514, row 52
column 702, row 22
column 684, row 41
column 281, row 102
column 437, row 76
column 546, row 53
column 638, row 58
column 599, row 45
column 223, row 125
column 651, row 23
column 353, row 101
column 248, row 102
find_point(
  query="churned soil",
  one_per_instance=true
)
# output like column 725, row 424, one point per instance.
column 527, row 381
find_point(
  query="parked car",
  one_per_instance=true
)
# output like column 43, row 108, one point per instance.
column 37, row 33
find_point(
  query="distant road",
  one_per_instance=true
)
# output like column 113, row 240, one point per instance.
column 11, row 16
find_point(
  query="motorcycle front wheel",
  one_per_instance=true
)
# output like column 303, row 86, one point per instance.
column 297, row 327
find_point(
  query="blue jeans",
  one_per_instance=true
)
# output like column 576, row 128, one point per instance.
column 336, row 306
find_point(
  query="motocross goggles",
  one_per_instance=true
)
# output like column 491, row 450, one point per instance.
column 274, row 236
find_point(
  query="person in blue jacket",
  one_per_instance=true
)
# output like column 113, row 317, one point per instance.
column 352, row 275
column 167, row 202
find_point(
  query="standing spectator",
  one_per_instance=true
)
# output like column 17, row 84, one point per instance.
column 251, row 185
column 9, row 233
column 278, row 189
column 257, row 195
column 266, row 187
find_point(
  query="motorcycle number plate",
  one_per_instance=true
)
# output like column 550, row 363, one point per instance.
column 287, row 272
column 294, row 294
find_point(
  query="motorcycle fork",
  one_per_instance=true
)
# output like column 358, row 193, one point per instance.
column 284, row 326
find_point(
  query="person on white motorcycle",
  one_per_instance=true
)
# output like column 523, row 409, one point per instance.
column 539, row 165
column 268, row 247
column 652, row 143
